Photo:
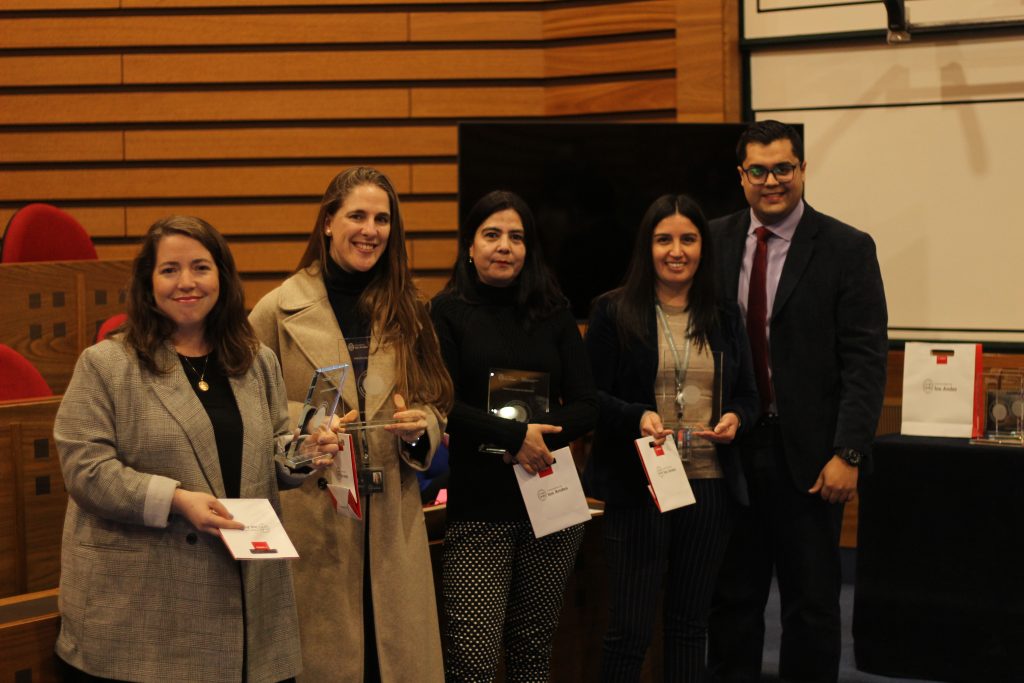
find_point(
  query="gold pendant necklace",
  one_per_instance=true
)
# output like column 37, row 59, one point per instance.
column 202, row 384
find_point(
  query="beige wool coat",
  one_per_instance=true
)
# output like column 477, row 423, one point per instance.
column 297, row 322
column 144, row 596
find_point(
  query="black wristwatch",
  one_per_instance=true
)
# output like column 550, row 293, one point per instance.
column 850, row 456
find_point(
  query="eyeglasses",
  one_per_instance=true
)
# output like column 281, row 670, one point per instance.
column 758, row 175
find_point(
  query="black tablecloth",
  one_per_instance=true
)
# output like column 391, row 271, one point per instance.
column 940, row 561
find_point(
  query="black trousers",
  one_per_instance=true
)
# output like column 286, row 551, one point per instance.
column 796, row 535
column 680, row 550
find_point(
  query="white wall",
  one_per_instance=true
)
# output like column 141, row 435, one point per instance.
column 921, row 145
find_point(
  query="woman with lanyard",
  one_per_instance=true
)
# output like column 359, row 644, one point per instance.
column 364, row 587
column 653, row 344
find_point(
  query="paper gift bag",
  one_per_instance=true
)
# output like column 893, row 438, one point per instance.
column 939, row 385
column 554, row 497
column 666, row 477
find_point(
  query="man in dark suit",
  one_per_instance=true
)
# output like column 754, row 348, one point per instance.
column 811, row 293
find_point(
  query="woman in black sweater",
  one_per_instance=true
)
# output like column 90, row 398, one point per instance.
column 503, row 310
column 650, row 341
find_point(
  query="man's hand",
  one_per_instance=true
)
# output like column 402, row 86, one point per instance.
column 837, row 482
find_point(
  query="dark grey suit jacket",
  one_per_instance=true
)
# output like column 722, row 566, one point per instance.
column 828, row 336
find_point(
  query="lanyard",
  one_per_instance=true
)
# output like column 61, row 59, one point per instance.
column 680, row 368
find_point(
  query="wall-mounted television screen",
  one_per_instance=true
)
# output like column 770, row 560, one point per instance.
column 589, row 184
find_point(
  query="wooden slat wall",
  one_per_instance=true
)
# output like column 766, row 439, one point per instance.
column 241, row 111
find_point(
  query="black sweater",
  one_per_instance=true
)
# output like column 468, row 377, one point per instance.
column 489, row 334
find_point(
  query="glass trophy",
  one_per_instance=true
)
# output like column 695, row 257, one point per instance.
column 689, row 401
column 357, row 350
column 519, row 395
column 318, row 410
column 1002, row 400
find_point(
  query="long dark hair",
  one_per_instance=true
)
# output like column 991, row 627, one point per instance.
column 632, row 304
column 390, row 300
column 226, row 328
column 538, row 294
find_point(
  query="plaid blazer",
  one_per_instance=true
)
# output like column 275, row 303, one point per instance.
column 143, row 594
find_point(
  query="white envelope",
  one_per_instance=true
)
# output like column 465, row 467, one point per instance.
column 554, row 497
column 343, row 488
column 263, row 537
column 667, row 481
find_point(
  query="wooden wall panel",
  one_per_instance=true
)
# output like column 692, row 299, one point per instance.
column 286, row 143
column 618, row 57
column 610, row 97
column 200, row 29
column 433, row 215
column 333, row 65
column 43, row 70
column 36, row 5
column 260, row 218
column 232, row 106
column 61, row 146
column 611, row 19
column 477, row 101
column 433, row 254
column 435, row 179
column 147, row 183
column 476, row 25
column 708, row 58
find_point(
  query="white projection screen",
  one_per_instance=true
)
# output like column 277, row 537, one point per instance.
column 921, row 145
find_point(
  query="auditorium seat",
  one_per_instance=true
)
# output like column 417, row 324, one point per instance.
column 109, row 325
column 41, row 232
column 19, row 379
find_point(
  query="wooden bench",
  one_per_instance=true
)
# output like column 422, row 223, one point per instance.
column 29, row 625
column 32, row 497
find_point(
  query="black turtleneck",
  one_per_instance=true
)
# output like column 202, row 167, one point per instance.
column 488, row 333
column 343, row 291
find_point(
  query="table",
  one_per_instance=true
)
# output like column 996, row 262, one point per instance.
column 940, row 561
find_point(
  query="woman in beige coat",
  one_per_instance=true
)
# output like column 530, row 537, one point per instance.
column 181, row 409
column 364, row 587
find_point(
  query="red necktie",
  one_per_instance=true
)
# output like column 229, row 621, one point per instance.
column 757, row 316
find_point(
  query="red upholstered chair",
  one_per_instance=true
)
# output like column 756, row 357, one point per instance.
column 40, row 232
column 19, row 378
column 109, row 325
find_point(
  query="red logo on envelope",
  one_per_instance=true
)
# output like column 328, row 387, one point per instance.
column 659, row 450
column 261, row 548
column 545, row 472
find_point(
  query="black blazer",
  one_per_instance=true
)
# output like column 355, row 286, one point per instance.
column 625, row 380
column 828, row 336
